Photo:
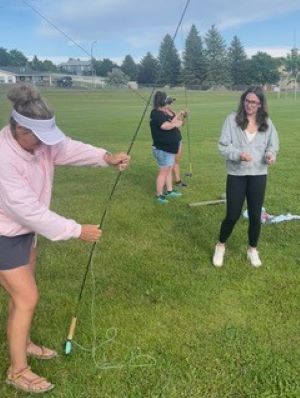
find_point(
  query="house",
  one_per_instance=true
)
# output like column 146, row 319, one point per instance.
column 17, row 74
column 76, row 67
column 7, row 77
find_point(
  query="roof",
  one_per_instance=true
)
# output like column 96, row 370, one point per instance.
column 22, row 71
column 6, row 72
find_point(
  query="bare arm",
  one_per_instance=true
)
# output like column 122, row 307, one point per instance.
column 175, row 122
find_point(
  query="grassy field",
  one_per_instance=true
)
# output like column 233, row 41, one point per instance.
column 181, row 328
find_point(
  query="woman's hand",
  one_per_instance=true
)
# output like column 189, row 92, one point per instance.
column 90, row 233
column 269, row 159
column 182, row 115
column 245, row 156
column 119, row 160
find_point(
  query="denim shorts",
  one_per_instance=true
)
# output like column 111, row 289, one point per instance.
column 15, row 251
column 164, row 159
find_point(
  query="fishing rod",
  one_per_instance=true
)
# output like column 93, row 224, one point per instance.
column 138, row 94
column 72, row 328
column 68, row 341
column 203, row 77
column 56, row 27
column 190, row 173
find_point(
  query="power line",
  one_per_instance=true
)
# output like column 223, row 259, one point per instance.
column 56, row 27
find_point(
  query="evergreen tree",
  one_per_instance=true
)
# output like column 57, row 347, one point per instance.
column 216, row 58
column 148, row 69
column 237, row 63
column 129, row 67
column 194, row 62
column 36, row 64
column 263, row 69
column 169, row 61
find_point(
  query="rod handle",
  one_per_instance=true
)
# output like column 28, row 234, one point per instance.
column 72, row 328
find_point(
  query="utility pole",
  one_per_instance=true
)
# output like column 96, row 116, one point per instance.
column 92, row 64
column 296, row 84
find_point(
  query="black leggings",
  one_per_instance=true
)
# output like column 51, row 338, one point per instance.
column 237, row 189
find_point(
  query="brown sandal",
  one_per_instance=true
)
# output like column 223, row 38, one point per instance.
column 40, row 352
column 21, row 382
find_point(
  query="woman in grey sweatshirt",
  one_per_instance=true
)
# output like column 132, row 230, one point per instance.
column 249, row 144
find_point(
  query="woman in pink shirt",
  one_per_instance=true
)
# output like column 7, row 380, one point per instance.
column 30, row 147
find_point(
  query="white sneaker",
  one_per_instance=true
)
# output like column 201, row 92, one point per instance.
column 253, row 257
column 218, row 258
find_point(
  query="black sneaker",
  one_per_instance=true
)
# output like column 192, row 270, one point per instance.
column 173, row 194
column 161, row 199
column 180, row 184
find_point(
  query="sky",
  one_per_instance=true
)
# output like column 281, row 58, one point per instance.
column 114, row 28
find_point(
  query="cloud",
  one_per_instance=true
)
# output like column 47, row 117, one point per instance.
column 139, row 25
column 143, row 41
column 273, row 51
column 76, row 10
column 230, row 21
column 111, row 16
column 237, row 12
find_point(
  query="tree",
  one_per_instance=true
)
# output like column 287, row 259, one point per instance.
column 148, row 69
column 194, row 62
column 237, row 63
column 36, row 64
column 17, row 58
column 292, row 62
column 169, row 62
column 42, row 66
column 216, row 58
column 129, row 67
column 116, row 78
column 93, row 66
column 49, row 66
column 103, row 67
column 4, row 57
column 263, row 69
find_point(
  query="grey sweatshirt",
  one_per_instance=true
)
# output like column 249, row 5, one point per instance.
column 233, row 142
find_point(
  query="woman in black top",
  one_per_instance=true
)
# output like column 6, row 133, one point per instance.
column 166, row 138
column 176, row 167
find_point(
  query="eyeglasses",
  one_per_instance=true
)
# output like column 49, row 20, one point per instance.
column 250, row 102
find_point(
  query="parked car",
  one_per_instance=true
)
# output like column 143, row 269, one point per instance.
column 65, row 81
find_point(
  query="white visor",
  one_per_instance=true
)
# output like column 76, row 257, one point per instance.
column 45, row 130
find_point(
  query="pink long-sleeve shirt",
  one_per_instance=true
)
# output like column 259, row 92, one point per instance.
column 26, row 184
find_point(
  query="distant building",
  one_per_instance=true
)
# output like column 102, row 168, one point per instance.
column 17, row 74
column 76, row 67
column 133, row 85
column 7, row 77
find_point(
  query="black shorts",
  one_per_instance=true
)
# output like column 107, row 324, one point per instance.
column 15, row 250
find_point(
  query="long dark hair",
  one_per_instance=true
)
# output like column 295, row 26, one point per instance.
column 262, row 112
column 159, row 99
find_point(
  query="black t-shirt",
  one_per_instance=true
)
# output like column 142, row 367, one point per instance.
column 166, row 140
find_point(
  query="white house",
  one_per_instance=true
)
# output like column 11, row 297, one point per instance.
column 7, row 77
column 16, row 74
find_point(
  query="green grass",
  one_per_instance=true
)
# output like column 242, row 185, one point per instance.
column 231, row 332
